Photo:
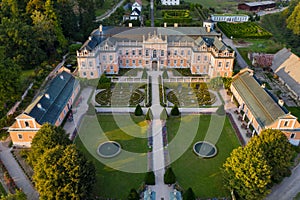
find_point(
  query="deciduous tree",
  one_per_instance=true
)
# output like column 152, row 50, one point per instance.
column 63, row 173
column 46, row 138
column 293, row 21
column 247, row 173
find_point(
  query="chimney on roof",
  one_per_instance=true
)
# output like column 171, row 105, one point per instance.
column 61, row 77
column 281, row 102
column 263, row 85
column 175, row 25
column 165, row 25
column 100, row 28
column 47, row 96
column 90, row 38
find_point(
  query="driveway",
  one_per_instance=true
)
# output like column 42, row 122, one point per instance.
column 288, row 188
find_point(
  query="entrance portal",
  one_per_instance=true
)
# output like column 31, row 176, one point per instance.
column 154, row 66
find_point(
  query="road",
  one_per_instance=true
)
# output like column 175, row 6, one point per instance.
column 242, row 63
column 288, row 188
column 109, row 12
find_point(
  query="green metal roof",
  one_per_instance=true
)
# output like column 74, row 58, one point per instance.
column 260, row 103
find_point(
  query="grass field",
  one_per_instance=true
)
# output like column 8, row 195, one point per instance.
column 112, row 183
column 258, row 46
column 202, row 175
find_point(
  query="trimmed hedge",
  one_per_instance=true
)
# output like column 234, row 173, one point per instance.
column 177, row 16
column 244, row 30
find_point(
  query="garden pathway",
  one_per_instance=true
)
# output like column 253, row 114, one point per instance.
column 162, row 190
column 17, row 173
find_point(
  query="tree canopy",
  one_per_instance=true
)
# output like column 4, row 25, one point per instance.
column 293, row 21
column 63, row 173
column 46, row 138
column 251, row 170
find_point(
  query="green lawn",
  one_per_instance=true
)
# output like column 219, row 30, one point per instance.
column 259, row 46
column 295, row 111
column 2, row 190
column 202, row 175
column 111, row 182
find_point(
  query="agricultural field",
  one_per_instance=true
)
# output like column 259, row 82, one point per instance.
column 244, row 30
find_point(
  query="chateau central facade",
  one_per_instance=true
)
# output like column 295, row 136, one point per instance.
column 197, row 49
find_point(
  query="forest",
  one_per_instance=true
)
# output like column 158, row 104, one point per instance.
column 34, row 35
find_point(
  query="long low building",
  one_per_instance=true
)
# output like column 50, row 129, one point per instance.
column 286, row 65
column 229, row 18
column 257, row 6
column 51, row 106
column 260, row 109
column 196, row 48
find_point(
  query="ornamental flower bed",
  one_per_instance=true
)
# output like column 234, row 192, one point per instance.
column 244, row 30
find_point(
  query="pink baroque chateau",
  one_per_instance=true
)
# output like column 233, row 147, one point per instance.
column 197, row 48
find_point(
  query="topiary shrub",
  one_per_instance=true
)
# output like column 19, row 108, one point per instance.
column 149, row 115
column 138, row 110
column 145, row 74
column 164, row 114
column 169, row 177
column 189, row 195
column 91, row 109
column 133, row 195
column 175, row 110
column 220, row 110
column 150, row 178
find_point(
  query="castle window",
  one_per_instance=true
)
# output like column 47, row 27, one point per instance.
column 84, row 73
column 161, row 62
column 162, row 53
column 111, row 67
column 175, row 53
column 175, row 62
column 83, row 64
column 169, row 53
column 147, row 52
column 104, row 57
column 26, row 124
column 147, row 62
column 126, row 52
column 90, row 63
column 199, row 58
column 120, row 52
column 293, row 135
column 20, row 136
column 140, row 52
column 140, row 62
column 110, row 57
column 205, row 58
column 189, row 52
column 92, row 73
column 133, row 61
column 181, row 61
column 286, row 123
column 225, row 74
column 227, row 64
column 182, row 52
column 133, row 52
column 127, row 61
column 220, row 64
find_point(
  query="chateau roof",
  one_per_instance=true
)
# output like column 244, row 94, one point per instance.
column 136, row 34
column 260, row 103
column 51, row 102
column 287, row 66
